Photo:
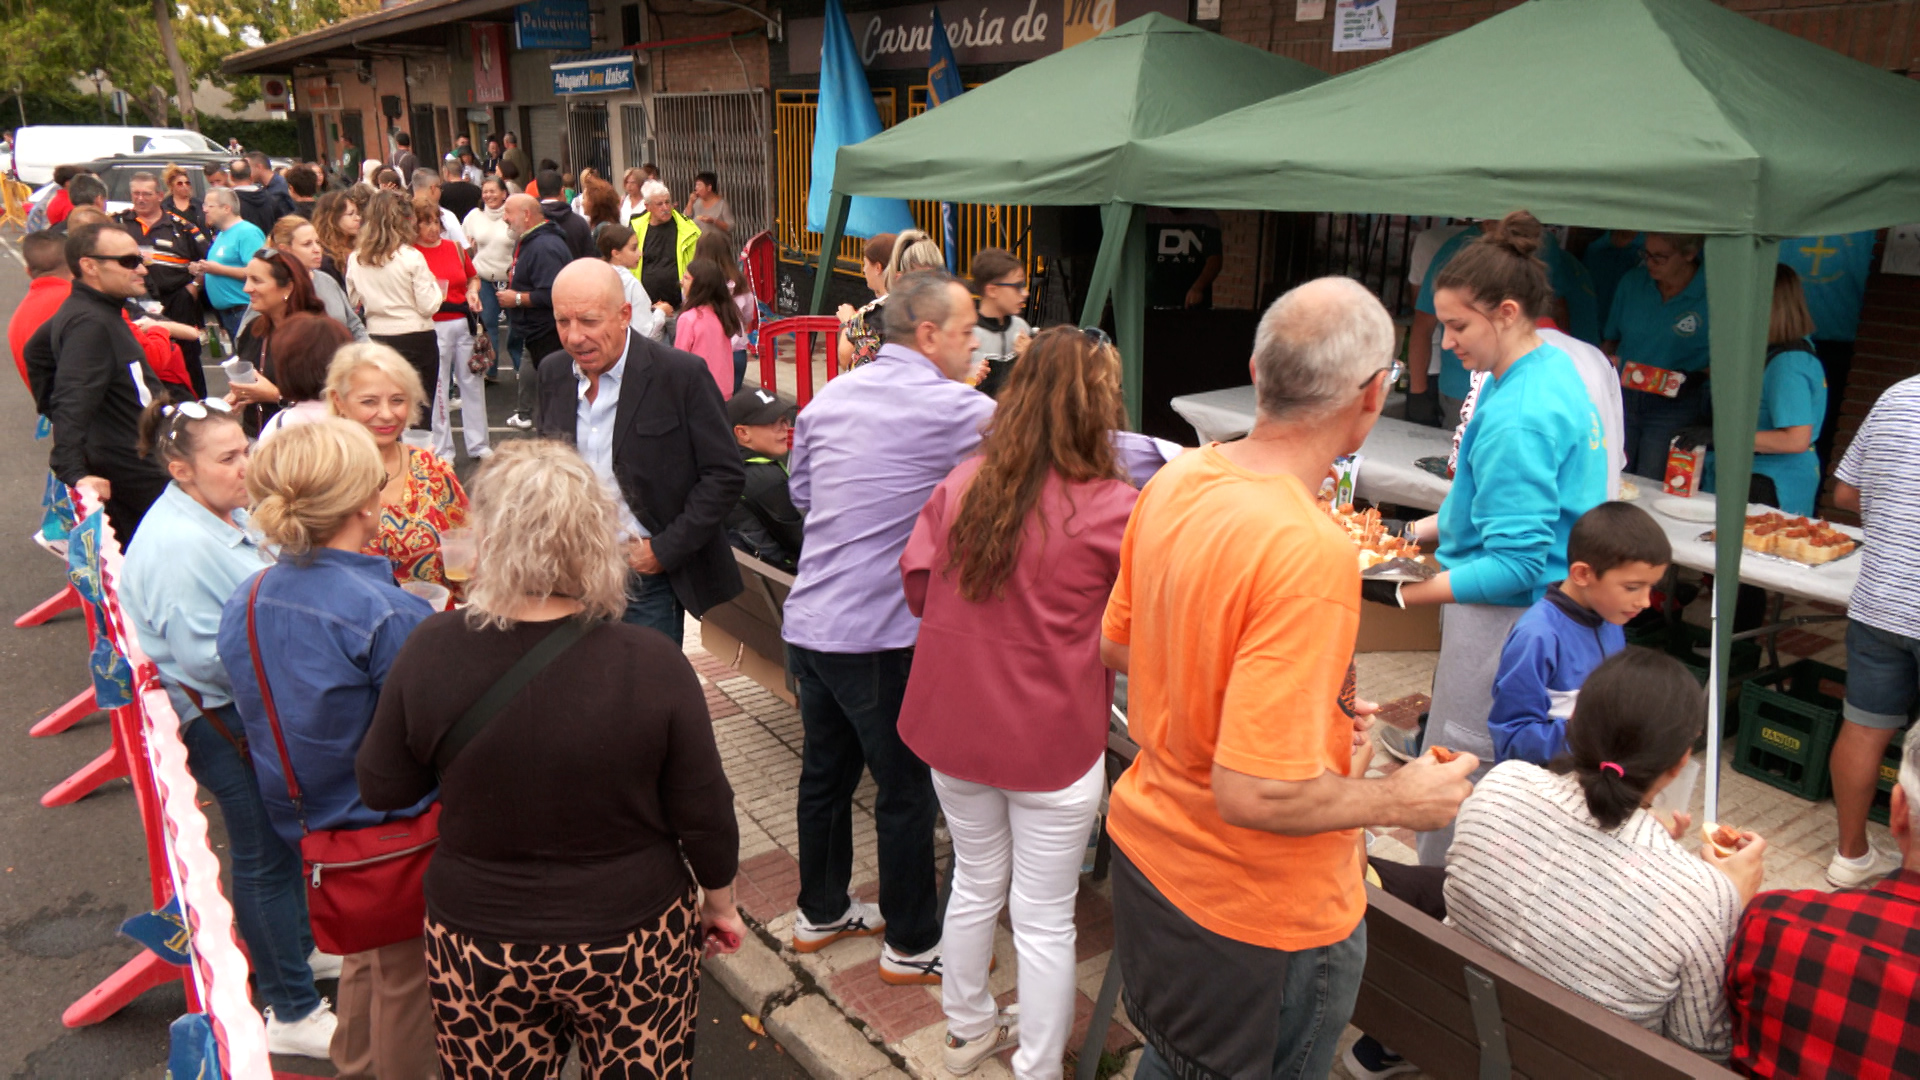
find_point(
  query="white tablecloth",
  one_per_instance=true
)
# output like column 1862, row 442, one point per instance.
column 1388, row 474
column 1387, row 469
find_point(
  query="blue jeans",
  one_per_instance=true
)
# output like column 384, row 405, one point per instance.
column 505, row 343
column 739, row 368
column 1322, row 985
column 1883, row 677
column 269, row 896
column 650, row 602
column 230, row 319
column 850, row 716
column 1651, row 422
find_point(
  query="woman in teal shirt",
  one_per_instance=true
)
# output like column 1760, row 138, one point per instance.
column 1533, row 460
column 1793, row 400
column 1659, row 319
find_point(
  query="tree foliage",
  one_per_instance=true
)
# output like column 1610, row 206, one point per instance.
column 45, row 45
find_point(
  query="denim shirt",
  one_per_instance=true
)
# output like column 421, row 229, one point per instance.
column 182, row 565
column 330, row 624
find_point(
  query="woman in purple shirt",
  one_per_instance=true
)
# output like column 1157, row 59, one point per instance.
column 1009, row 568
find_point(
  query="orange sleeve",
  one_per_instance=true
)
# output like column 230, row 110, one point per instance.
column 1283, row 693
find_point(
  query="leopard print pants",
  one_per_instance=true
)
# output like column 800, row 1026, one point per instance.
column 513, row 1012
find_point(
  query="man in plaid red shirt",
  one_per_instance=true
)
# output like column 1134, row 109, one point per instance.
column 1828, row 984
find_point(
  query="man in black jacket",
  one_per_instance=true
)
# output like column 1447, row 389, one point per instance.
column 553, row 204
column 257, row 205
column 101, row 381
column 650, row 422
column 765, row 524
column 538, row 258
column 279, row 193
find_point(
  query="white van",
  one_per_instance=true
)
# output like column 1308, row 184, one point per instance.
column 37, row 151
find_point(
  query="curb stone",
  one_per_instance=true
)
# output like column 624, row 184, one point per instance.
column 824, row 1043
column 754, row 975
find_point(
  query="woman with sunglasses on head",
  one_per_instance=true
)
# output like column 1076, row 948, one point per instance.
column 308, row 643
column 1009, row 568
column 1533, row 459
column 299, row 238
column 190, row 553
column 278, row 287
column 1001, row 335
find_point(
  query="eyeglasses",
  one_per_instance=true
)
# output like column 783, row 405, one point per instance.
column 1097, row 336
column 1020, row 286
column 1658, row 258
column 1393, row 370
column 131, row 262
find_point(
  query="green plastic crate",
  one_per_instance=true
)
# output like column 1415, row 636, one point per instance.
column 1787, row 723
column 1882, row 807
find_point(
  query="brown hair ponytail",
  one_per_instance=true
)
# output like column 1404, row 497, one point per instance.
column 1504, row 264
column 1636, row 717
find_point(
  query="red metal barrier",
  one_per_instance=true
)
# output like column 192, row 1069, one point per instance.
column 803, row 328
column 65, row 600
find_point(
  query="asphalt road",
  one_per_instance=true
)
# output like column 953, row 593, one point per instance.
column 70, row 875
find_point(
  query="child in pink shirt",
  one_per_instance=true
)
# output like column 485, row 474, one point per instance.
column 708, row 321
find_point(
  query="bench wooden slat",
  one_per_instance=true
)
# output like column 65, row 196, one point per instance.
column 1551, row 1031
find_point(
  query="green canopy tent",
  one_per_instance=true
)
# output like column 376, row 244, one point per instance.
column 1074, row 115
column 1664, row 115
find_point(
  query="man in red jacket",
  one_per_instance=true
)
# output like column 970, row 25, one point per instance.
column 46, row 259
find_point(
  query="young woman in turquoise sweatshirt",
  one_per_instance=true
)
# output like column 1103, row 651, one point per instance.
column 1533, row 459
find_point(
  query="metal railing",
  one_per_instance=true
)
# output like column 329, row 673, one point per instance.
column 722, row 132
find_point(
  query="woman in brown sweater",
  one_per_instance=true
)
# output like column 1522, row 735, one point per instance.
column 560, row 908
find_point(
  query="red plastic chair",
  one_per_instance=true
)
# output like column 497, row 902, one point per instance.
column 803, row 328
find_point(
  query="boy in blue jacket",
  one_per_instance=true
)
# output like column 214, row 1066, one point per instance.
column 1616, row 553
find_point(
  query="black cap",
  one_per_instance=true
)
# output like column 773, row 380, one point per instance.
column 753, row 406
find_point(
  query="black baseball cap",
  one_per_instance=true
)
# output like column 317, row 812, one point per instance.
column 753, row 407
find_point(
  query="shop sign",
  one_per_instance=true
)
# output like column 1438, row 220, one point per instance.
column 553, row 24
column 982, row 32
column 601, row 73
column 489, row 64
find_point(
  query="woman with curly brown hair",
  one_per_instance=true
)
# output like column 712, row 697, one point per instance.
column 389, row 279
column 336, row 218
column 1009, row 569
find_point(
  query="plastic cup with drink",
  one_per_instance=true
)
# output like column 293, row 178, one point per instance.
column 458, row 553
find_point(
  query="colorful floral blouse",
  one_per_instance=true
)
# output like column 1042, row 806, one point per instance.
column 864, row 332
column 410, row 529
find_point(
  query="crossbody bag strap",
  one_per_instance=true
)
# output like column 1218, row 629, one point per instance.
column 266, row 698
column 506, row 689
column 239, row 742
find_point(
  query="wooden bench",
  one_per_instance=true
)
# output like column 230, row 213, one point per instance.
column 1461, row 1011
column 744, row 632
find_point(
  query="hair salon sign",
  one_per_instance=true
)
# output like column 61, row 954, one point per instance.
column 982, row 32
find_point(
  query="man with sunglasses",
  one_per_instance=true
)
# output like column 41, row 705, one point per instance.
column 1001, row 335
column 101, row 381
column 170, row 243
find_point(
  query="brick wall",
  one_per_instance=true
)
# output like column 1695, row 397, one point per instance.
column 1887, row 350
column 713, row 65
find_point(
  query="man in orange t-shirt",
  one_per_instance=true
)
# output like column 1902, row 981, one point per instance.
column 46, row 257
column 1237, row 889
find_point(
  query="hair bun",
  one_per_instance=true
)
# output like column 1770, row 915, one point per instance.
column 1519, row 232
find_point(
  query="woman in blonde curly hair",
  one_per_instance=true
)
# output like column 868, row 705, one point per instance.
column 390, row 281
column 561, row 903
column 323, row 626
column 371, row 385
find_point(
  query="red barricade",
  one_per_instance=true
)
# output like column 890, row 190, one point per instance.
column 803, row 328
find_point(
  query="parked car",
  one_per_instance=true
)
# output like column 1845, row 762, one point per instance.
column 118, row 173
column 38, row 150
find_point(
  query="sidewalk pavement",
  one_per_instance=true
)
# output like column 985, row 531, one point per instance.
column 833, row 1014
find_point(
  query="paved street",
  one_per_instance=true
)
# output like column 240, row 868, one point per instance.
column 69, row 876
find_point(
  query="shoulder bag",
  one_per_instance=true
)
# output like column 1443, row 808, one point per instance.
column 364, row 885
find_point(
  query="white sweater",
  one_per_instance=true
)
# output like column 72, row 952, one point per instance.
column 398, row 297
column 492, row 241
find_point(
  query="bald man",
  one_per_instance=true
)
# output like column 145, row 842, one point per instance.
column 538, row 258
column 650, row 421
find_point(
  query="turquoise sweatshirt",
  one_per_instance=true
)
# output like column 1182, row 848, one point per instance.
column 1532, row 461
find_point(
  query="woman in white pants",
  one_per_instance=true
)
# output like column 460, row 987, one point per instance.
column 453, row 330
column 1009, row 568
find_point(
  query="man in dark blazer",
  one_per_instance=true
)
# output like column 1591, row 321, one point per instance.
column 651, row 423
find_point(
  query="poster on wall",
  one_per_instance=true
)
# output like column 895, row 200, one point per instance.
column 489, row 64
column 1362, row 25
column 1309, row 10
column 990, row 32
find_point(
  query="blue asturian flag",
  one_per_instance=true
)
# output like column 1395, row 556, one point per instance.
column 846, row 116
column 943, row 85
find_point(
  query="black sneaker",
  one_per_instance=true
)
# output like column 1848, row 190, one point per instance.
column 1367, row 1059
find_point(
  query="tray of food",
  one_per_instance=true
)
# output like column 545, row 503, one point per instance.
column 1797, row 540
column 1383, row 556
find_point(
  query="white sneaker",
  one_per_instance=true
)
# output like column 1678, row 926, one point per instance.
column 962, row 1056
column 1845, row 873
column 920, row 969
column 520, row 422
column 308, row 1036
column 325, row 965
column 861, row 920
